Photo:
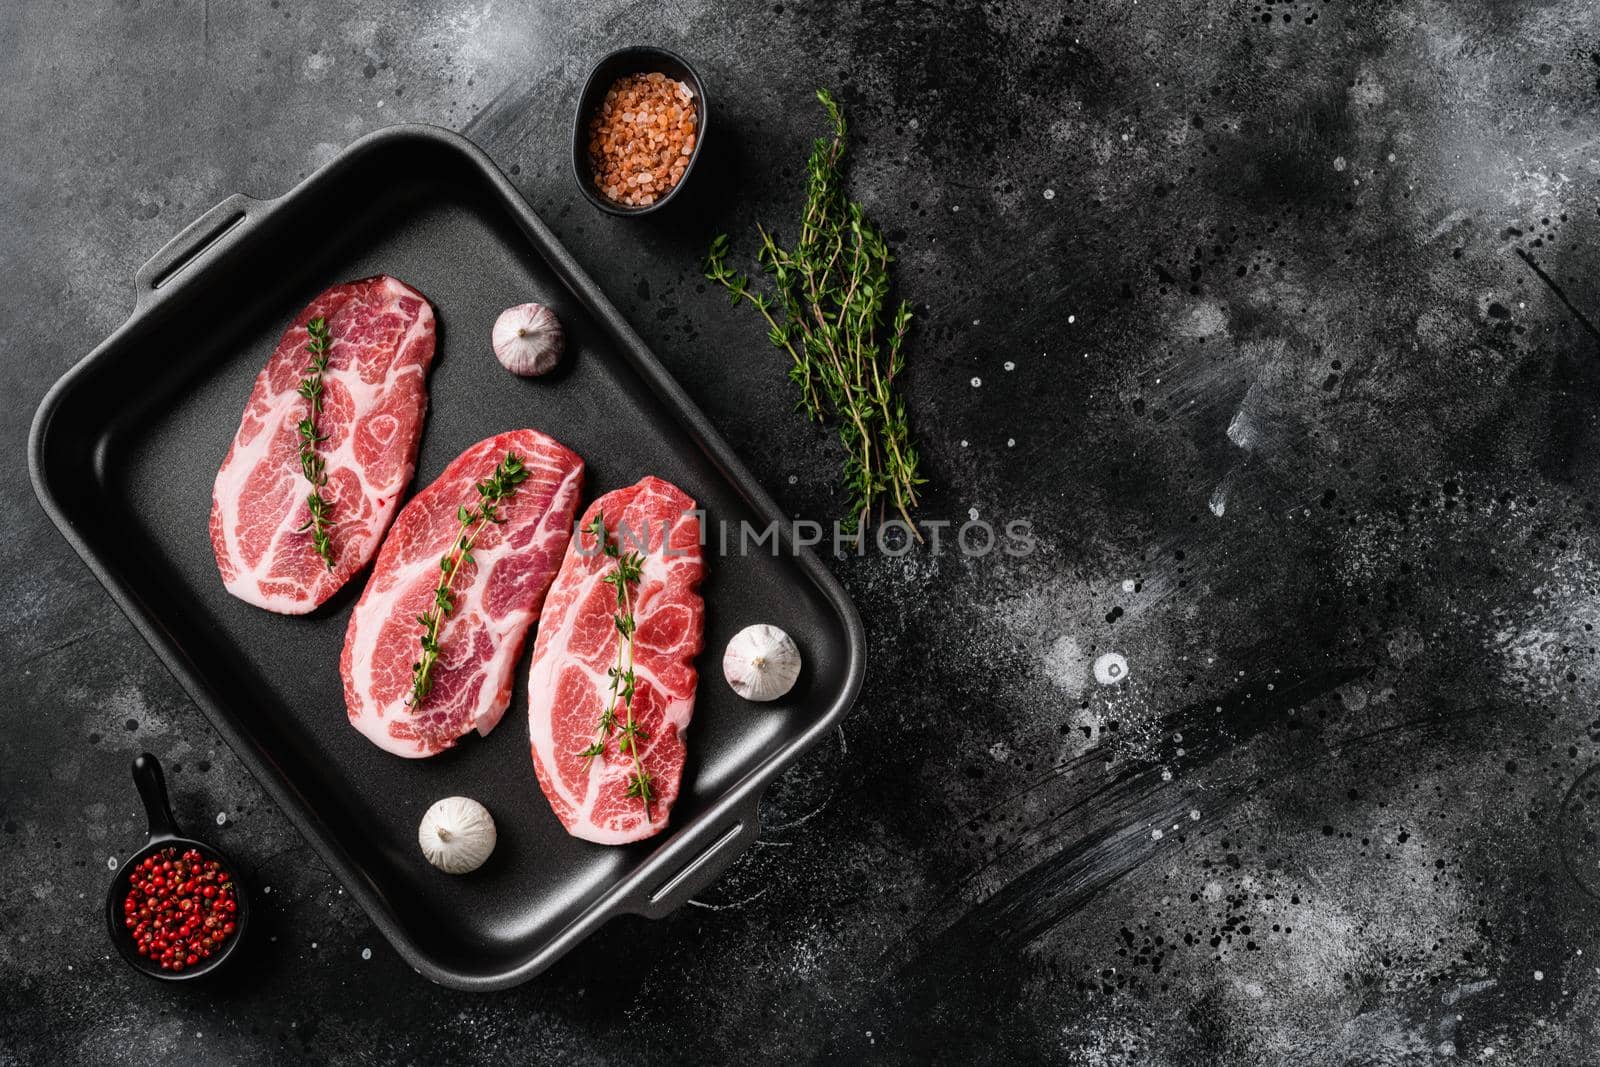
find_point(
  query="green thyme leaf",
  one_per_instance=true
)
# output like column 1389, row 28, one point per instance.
column 826, row 311
column 496, row 489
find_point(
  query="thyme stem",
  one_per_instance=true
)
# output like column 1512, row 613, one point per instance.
column 313, row 465
column 498, row 487
column 627, row 572
column 825, row 310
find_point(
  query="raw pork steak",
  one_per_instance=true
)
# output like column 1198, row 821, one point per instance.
column 374, row 396
column 569, row 686
column 496, row 597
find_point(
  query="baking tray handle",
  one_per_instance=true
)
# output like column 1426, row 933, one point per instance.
column 220, row 226
column 663, row 895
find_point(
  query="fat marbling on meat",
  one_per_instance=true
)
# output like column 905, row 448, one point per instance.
column 374, row 397
column 497, row 596
column 569, row 683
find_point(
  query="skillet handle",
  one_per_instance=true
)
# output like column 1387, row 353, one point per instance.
column 153, row 791
column 660, row 897
column 219, row 226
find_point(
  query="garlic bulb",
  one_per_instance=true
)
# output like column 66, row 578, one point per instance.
column 528, row 339
column 761, row 662
column 457, row 835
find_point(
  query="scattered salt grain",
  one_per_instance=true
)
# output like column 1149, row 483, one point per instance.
column 366, row 953
column 1049, row 194
column 222, row 818
column 976, row 382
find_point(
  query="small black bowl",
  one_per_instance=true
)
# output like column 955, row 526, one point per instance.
column 635, row 59
column 164, row 834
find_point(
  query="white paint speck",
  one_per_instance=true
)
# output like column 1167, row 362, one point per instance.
column 1194, row 815
column 1049, row 194
column 1065, row 664
column 1110, row 668
column 1218, row 504
column 976, row 382
column 1010, row 365
column 1011, row 442
column 1127, row 585
column 1538, row 976
column 1071, row 319
column 963, row 442
column 1156, row 835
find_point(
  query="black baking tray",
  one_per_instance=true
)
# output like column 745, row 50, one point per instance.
column 125, row 446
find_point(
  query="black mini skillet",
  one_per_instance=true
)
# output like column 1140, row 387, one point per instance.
column 164, row 834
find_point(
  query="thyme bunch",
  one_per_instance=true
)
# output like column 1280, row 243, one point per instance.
column 312, row 464
column 826, row 308
column 492, row 491
column 626, row 573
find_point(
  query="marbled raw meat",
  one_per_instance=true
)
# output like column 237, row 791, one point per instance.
column 375, row 394
column 569, row 684
column 497, row 597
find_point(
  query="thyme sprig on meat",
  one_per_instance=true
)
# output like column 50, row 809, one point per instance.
column 312, row 464
column 492, row 492
column 627, row 571
column 826, row 308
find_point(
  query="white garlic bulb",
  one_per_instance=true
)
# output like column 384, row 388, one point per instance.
column 457, row 835
column 761, row 662
column 528, row 339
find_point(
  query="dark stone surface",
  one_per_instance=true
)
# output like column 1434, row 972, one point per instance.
column 1300, row 433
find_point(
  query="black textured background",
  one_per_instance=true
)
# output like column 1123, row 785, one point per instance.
column 1234, row 301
